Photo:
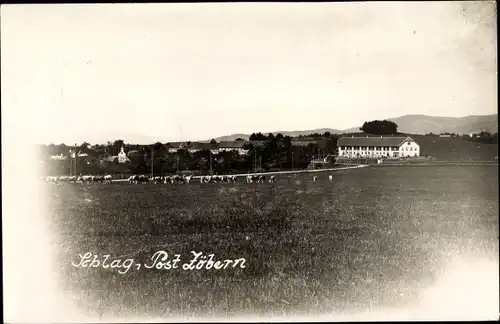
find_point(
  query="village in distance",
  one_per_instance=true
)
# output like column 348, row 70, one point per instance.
column 374, row 142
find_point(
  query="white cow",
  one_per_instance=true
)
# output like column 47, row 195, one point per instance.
column 272, row 179
column 330, row 177
column 51, row 179
column 85, row 178
column 108, row 178
column 315, row 178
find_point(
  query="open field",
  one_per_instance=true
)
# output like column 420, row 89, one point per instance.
column 375, row 237
column 451, row 149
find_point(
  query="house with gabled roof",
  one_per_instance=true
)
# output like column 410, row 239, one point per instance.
column 233, row 146
column 196, row 147
column 378, row 147
column 173, row 147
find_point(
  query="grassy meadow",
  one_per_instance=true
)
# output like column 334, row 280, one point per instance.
column 373, row 238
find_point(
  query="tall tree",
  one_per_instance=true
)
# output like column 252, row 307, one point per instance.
column 380, row 127
column 117, row 145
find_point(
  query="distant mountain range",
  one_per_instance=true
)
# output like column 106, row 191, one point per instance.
column 411, row 124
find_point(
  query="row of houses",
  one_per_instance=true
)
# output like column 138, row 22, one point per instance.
column 239, row 146
column 193, row 147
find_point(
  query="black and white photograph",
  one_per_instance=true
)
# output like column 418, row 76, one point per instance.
column 255, row 162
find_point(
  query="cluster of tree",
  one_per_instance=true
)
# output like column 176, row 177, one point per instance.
column 276, row 153
column 380, row 127
column 485, row 138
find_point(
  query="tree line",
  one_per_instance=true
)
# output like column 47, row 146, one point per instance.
column 277, row 152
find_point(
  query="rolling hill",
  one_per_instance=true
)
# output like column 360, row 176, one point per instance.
column 411, row 124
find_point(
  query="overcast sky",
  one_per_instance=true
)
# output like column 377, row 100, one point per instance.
column 196, row 71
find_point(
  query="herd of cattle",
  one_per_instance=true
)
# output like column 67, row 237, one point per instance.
column 135, row 179
column 80, row 179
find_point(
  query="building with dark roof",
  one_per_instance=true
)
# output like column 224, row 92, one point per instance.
column 196, row 147
column 258, row 143
column 377, row 147
column 303, row 142
column 233, row 146
column 173, row 147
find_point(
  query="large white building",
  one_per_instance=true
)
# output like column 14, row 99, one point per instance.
column 377, row 147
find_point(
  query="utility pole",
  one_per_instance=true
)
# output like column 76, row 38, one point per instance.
column 260, row 163
column 292, row 159
column 76, row 159
column 210, row 162
column 152, row 161
column 255, row 162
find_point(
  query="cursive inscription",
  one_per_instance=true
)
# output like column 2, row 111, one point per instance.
column 86, row 261
column 160, row 260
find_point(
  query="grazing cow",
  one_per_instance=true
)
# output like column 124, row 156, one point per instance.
column 138, row 179
column 233, row 179
column 315, row 178
column 108, row 178
column 262, row 179
column 330, row 177
column 51, row 179
column 272, row 179
column 157, row 179
column 99, row 179
column 176, row 179
column 188, row 179
column 85, row 179
column 252, row 179
column 63, row 179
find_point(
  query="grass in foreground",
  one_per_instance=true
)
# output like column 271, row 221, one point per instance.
column 374, row 237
